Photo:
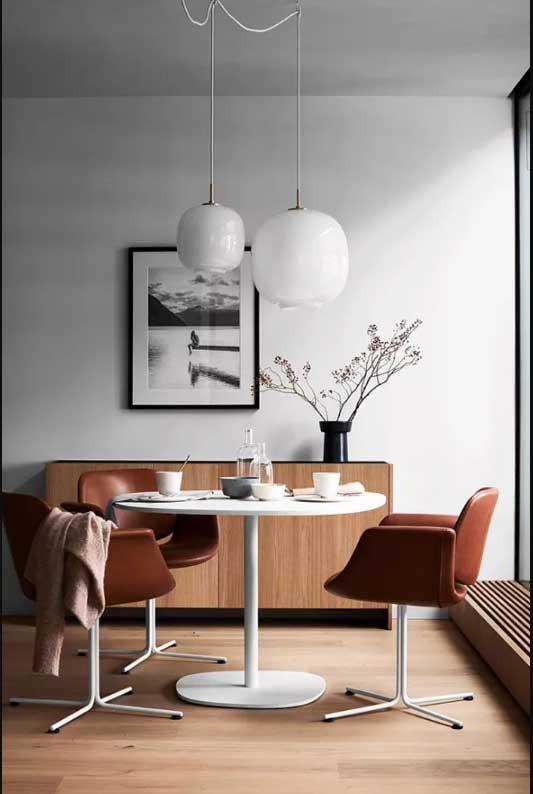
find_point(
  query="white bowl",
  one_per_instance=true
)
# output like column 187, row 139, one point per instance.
column 267, row 492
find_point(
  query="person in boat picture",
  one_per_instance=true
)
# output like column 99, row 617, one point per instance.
column 195, row 341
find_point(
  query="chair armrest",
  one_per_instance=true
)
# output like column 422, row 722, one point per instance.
column 401, row 565
column 418, row 520
column 135, row 568
column 82, row 507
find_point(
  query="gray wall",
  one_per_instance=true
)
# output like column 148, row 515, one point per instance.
column 424, row 189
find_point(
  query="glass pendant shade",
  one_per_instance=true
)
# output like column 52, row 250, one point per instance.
column 210, row 238
column 300, row 258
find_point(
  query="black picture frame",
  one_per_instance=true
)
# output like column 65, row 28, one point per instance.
column 254, row 405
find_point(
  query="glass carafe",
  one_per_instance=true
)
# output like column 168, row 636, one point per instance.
column 261, row 466
column 246, row 454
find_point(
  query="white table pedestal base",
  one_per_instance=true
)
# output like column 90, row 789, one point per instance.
column 275, row 689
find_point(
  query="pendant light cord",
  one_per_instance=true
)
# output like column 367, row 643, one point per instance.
column 201, row 22
column 298, row 107
column 212, row 110
column 210, row 17
column 255, row 30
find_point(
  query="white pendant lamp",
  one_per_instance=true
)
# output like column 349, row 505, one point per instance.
column 210, row 236
column 300, row 257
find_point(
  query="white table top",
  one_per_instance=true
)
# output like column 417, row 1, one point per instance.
column 251, row 507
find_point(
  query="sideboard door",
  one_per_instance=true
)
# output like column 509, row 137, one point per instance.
column 297, row 555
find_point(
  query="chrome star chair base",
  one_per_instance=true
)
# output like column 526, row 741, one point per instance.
column 151, row 647
column 401, row 697
column 95, row 698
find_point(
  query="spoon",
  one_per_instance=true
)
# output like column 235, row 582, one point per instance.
column 187, row 459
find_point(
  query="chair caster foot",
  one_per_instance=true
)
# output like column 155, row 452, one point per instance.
column 14, row 703
column 469, row 697
column 457, row 727
column 177, row 717
column 221, row 661
column 327, row 719
column 53, row 730
column 124, row 672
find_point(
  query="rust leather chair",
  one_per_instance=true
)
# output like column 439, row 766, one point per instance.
column 135, row 570
column 419, row 560
column 185, row 541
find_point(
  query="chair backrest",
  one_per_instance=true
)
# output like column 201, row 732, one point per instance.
column 99, row 487
column 22, row 516
column 471, row 534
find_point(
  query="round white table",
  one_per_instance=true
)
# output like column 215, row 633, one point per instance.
column 254, row 688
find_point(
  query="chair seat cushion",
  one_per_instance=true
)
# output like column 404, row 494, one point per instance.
column 187, row 548
column 361, row 591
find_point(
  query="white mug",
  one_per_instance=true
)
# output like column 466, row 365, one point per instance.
column 326, row 483
column 168, row 482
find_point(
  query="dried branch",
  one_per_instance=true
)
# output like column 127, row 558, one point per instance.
column 355, row 381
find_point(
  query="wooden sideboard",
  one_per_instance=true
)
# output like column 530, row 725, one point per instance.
column 297, row 554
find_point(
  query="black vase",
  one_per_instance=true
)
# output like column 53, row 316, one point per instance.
column 335, row 441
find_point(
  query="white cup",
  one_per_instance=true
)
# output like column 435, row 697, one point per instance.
column 168, row 482
column 326, row 483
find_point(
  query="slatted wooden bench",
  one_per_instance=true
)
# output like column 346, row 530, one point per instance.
column 495, row 617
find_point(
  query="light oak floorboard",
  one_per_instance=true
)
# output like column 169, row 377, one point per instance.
column 270, row 752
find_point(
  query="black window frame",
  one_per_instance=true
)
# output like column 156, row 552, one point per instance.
column 522, row 89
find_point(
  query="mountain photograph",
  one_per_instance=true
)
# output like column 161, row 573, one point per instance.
column 159, row 315
column 177, row 297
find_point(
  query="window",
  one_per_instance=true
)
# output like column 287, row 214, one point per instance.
column 522, row 105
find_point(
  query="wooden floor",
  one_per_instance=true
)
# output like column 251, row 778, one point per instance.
column 279, row 752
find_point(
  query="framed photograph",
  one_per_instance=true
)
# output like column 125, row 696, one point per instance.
column 194, row 337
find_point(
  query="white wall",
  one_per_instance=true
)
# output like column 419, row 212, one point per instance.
column 424, row 189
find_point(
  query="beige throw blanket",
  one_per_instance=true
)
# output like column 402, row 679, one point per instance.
column 66, row 565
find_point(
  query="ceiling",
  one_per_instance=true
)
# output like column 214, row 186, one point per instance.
column 81, row 48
